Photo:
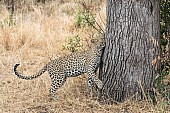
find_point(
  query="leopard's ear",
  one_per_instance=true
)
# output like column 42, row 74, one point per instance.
column 94, row 40
column 97, row 40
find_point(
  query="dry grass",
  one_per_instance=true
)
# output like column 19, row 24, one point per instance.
column 37, row 38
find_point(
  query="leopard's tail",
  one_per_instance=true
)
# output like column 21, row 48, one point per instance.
column 44, row 69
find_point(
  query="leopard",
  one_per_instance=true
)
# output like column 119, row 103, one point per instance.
column 71, row 65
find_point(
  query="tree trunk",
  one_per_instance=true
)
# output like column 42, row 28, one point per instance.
column 131, row 57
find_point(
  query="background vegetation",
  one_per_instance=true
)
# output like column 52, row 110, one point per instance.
column 162, row 83
column 35, row 32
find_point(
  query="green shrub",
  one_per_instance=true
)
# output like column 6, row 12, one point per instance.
column 84, row 18
column 73, row 44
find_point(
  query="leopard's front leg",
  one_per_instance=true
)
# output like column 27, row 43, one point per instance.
column 92, row 78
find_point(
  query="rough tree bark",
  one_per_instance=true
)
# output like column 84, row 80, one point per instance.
column 131, row 57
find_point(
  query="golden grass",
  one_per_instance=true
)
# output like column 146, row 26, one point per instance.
column 37, row 38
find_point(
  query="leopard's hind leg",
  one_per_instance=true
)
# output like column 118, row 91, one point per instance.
column 58, row 79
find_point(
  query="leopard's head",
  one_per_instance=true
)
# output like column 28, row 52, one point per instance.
column 98, row 44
